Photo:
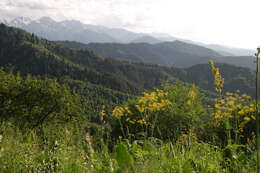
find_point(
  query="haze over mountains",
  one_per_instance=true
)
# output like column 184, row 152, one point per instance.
column 73, row 30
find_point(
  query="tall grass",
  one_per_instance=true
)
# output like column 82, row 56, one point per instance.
column 72, row 149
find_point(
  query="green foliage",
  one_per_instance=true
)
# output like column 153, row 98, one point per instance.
column 52, row 148
column 94, row 96
column 122, row 156
column 68, row 148
column 31, row 102
column 185, row 114
column 189, row 166
column 164, row 114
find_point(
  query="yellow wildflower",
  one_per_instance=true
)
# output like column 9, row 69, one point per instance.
column 141, row 121
column 127, row 110
column 244, row 95
column 231, row 103
column 230, row 109
column 192, row 93
column 239, row 106
column 228, row 94
column 132, row 121
column 117, row 112
column 140, row 108
column 102, row 113
column 241, row 112
column 247, row 118
column 217, row 106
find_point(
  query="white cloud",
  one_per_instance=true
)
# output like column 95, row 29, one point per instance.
column 232, row 22
column 34, row 5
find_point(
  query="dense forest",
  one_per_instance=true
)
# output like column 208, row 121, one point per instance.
column 64, row 109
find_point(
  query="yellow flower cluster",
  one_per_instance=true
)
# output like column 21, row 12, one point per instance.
column 118, row 112
column 133, row 121
column 235, row 106
column 218, row 79
column 149, row 102
column 124, row 111
column 192, row 94
column 155, row 101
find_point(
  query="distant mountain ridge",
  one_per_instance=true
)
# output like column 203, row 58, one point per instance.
column 146, row 39
column 73, row 30
column 231, row 51
column 177, row 53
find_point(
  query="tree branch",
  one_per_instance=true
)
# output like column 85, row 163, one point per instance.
column 41, row 120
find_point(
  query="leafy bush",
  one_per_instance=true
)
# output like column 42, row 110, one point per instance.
column 31, row 102
column 164, row 113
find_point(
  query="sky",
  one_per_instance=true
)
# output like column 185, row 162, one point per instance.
column 235, row 23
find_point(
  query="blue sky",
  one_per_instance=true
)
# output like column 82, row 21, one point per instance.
column 234, row 23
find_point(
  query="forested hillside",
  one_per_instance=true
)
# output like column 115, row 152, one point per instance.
column 27, row 53
column 178, row 54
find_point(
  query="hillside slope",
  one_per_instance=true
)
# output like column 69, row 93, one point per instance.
column 175, row 53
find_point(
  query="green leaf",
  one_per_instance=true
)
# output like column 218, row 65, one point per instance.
column 189, row 166
column 29, row 139
column 257, row 142
column 122, row 156
column 226, row 124
column 42, row 157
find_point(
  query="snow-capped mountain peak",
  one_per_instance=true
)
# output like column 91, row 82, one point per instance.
column 4, row 21
column 73, row 24
column 20, row 21
column 46, row 20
